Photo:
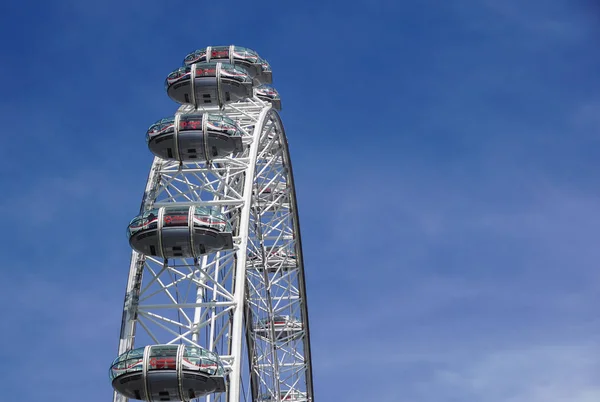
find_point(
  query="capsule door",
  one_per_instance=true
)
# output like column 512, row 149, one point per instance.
column 175, row 232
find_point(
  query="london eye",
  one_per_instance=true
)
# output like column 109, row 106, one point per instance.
column 215, row 306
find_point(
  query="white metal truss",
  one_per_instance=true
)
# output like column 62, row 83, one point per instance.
column 247, row 304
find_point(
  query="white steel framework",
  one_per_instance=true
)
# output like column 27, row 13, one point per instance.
column 247, row 304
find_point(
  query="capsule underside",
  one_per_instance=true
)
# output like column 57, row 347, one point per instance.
column 177, row 242
column 273, row 267
column 265, row 77
column 273, row 263
column 163, row 385
column 275, row 102
column 282, row 331
column 269, row 94
column 206, row 91
column 259, row 75
column 194, row 145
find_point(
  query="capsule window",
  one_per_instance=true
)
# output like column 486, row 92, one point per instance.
column 176, row 217
column 191, row 123
column 219, row 52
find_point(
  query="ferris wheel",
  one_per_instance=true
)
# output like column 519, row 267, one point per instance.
column 215, row 306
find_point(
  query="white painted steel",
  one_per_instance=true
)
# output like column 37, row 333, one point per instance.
column 237, row 329
column 218, row 301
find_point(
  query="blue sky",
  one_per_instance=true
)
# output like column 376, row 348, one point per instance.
column 446, row 163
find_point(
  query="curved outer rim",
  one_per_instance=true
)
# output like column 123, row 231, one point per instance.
column 271, row 112
column 299, row 254
column 237, row 333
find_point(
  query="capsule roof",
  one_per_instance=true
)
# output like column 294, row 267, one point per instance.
column 208, row 70
column 267, row 91
column 222, row 53
column 258, row 67
column 213, row 217
column 189, row 351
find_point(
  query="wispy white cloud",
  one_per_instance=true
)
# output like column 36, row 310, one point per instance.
column 522, row 370
column 534, row 373
column 526, row 288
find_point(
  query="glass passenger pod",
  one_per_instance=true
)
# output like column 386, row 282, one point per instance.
column 277, row 258
column 167, row 373
column 270, row 197
column 258, row 68
column 194, row 137
column 269, row 94
column 285, row 327
column 279, row 188
column 184, row 232
column 286, row 395
column 209, row 84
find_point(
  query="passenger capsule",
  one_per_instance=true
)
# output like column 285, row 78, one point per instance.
column 271, row 197
column 275, row 259
column 167, row 373
column 269, row 94
column 180, row 232
column 258, row 67
column 289, row 395
column 194, row 137
column 285, row 327
column 209, row 84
